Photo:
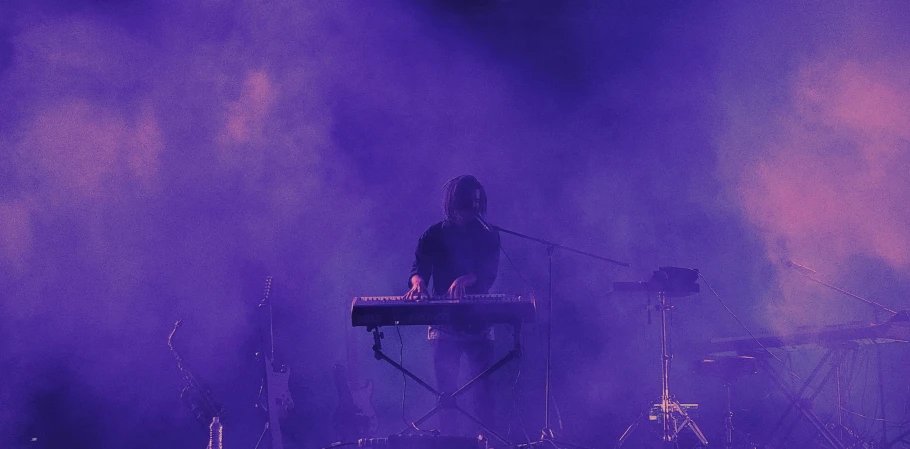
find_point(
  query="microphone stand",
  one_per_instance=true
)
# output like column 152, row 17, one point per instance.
column 808, row 274
column 547, row 433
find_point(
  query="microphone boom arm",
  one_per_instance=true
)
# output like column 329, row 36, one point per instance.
column 557, row 245
column 836, row 288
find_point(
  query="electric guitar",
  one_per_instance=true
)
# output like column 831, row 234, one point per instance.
column 275, row 397
column 354, row 418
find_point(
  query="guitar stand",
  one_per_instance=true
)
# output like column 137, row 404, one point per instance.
column 446, row 399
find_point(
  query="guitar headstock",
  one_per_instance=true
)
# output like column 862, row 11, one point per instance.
column 170, row 337
column 266, row 291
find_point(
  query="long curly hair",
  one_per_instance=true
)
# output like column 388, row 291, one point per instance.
column 459, row 195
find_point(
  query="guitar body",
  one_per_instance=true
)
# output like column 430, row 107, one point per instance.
column 279, row 401
column 354, row 418
column 279, row 393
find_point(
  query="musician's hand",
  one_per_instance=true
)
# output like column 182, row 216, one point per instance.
column 457, row 289
column 418, row 289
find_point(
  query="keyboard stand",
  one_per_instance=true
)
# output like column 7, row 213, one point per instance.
column 802, row 402
column 446, row 399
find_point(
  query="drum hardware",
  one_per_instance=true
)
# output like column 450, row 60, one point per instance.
column 665, row 283
column 728, row 369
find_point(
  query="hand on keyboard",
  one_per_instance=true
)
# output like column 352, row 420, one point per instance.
column 418, row 289
column 457, row 289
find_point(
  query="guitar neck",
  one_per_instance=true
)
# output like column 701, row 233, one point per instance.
column 277, row 396
column 204, row 398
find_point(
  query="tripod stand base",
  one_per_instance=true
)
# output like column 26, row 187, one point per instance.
column 673, row 420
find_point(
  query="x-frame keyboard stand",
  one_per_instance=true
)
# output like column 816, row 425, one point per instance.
column 802, row 402
column 445, row 399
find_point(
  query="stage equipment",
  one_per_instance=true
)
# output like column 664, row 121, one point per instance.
column 367, row 312
column 666, row 283
column 894, row 317
column 824, row 337
column 274, row 394
column 375, row 311
column 198, row 396
column 422, row 442
column 727, row 369
column 837, row 341
column 546, row 434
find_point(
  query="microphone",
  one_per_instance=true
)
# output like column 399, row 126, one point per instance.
column 482, row 223
column 801, row 268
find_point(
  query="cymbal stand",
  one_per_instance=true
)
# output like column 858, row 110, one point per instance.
column 674, row 418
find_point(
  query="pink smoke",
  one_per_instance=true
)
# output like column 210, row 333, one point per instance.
column 246, row 116
column 15, row 233
column 832, row 180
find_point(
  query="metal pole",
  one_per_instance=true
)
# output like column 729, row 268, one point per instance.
column 668, row 435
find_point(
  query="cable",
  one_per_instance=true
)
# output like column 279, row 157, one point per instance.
column 558, row 414
column 511, row 262
column 404, row 380
column 531, row 291
column 516, row 403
